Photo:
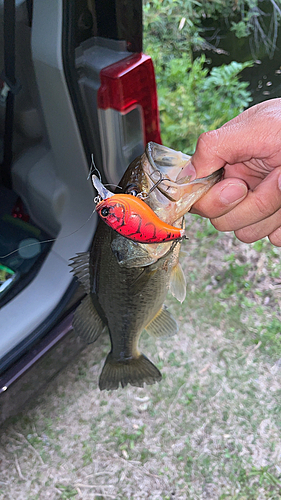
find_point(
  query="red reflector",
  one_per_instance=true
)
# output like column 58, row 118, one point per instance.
column 19, row 212
column 128, row 83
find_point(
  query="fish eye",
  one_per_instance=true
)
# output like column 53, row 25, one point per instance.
column 105, row 212
column 132, row 189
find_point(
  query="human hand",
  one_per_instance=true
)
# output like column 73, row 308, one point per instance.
column 248, row 199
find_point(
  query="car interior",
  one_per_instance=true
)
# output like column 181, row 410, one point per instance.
column 44, row 192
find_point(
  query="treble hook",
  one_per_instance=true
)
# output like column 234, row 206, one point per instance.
column 161, row 179
column 145, row 195
column 93, row 168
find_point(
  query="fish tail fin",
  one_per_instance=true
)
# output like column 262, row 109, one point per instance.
column 134, row 371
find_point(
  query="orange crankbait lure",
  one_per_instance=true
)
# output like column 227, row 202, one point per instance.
column 132, row 218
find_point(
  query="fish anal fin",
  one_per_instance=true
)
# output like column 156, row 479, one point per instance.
column 81, row 269
column 86, row 322
column 134, row 371
column 162, row 325
column 178, row 283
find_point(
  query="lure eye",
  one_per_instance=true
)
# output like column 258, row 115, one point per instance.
column 132, row 189
column 105, row 212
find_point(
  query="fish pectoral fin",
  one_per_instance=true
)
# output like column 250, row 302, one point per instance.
column 130, row 254
column 81, row 269
column 134, row 371
column 162, row 325
column 178, row 283
column 86, row 322
column 183, row 254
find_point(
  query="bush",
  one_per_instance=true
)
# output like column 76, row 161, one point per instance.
column 193, row 100
column 192, row 97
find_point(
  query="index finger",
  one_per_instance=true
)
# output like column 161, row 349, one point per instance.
column 255, row 133
column 217, row 148
column 258, row 205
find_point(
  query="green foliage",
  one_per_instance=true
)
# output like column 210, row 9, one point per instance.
column 191, row 101
column 66, row 491
column 233, row 280
column 192, row 98
column 261, row 26
column 269, row 337
column 177, row 24
column 87, row 453
column 126, row 441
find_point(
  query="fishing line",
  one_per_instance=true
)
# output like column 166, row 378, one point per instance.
column 92, row 169
column 95, row 169
column 49, row 241
column 114, row 185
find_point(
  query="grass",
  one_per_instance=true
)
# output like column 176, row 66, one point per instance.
column 210, row 430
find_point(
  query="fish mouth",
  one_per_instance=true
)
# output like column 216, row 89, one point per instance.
column 172, row 181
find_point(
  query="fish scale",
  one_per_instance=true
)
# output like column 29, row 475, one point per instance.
column 126, row 294
column 126, row 282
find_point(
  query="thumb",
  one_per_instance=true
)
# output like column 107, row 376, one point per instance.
column 221, row 198
column 206, row 158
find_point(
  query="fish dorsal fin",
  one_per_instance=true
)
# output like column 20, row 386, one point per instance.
column 178, row 283
column 86, row 322
column 81, row 269
column 162, row 325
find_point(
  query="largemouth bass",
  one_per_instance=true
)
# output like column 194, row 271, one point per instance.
column 127, row 282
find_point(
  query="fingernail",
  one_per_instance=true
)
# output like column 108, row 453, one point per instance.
column 187, row 171
column 232, row 193
column 279, row 182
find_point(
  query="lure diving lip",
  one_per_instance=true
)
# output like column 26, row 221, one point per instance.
column 131, row 217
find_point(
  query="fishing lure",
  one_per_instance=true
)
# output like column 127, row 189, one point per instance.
column 131, row 217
